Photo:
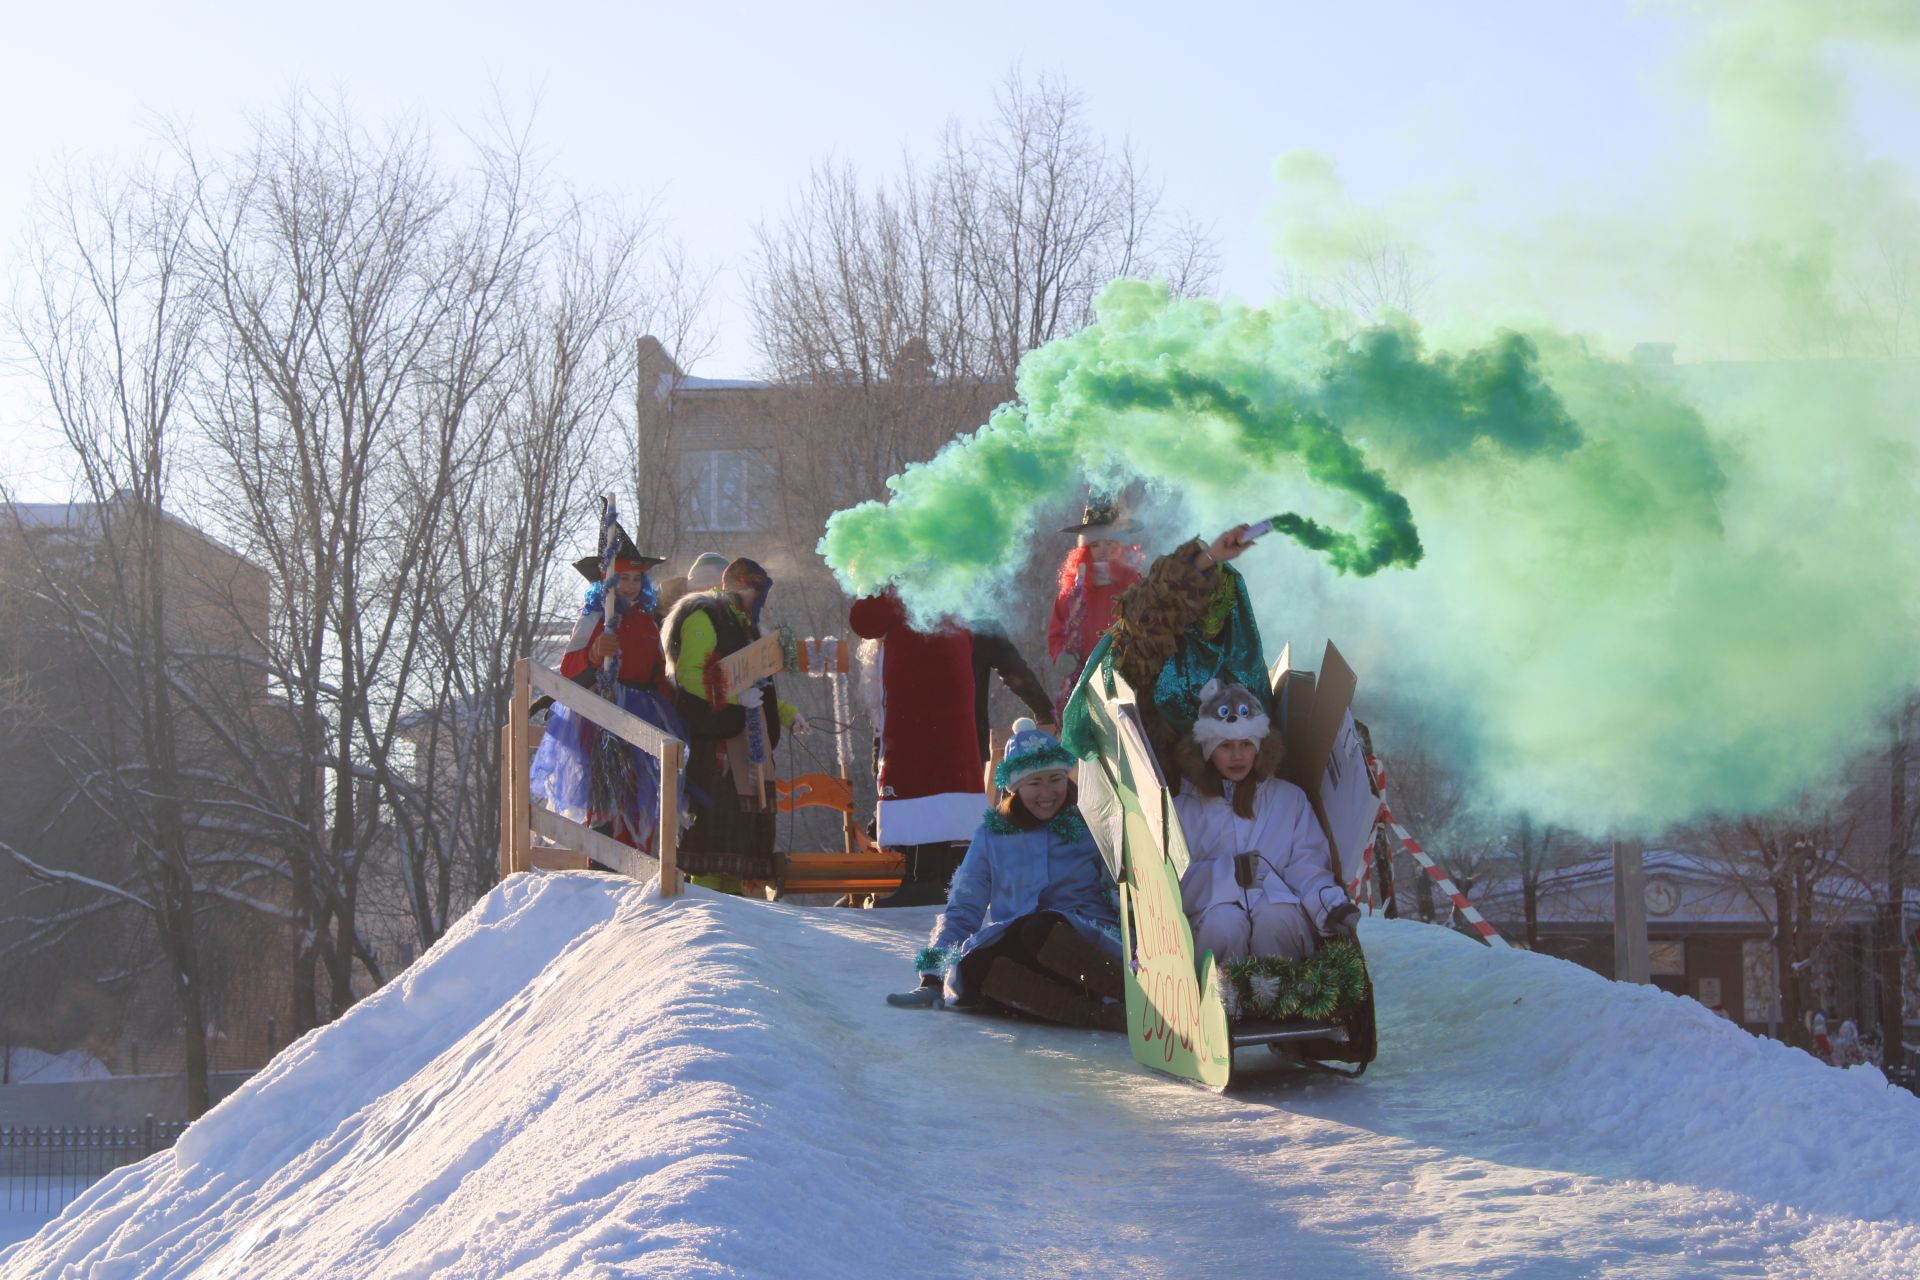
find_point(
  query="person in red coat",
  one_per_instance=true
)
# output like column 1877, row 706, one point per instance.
column 1094, row 575
column 930, row 792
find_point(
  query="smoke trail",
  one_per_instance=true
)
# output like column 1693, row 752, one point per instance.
column 1223, row 404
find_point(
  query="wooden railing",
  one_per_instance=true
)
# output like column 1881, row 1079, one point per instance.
column 568, row 845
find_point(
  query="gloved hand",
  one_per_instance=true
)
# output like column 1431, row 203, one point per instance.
column 800, row 724
column 603, row 647
column 1343, row 921
column 928, row 995
column 751, row 696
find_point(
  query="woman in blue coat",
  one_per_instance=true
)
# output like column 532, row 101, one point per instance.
column 1030, row 923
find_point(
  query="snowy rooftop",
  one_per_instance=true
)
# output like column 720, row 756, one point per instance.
column 1710, row 892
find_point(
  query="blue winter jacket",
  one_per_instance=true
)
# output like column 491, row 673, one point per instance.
column 1010, row 874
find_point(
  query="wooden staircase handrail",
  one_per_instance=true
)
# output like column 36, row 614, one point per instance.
column 520, row 821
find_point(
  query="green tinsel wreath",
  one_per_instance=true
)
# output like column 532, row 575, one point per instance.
column 1324, row 985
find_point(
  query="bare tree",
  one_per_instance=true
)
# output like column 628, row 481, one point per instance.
column 1531, row 853
column 1778, row 862
column 1902, row 815
column 111, row 334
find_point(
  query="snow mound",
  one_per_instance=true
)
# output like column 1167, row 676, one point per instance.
column 36, row 1066
column 584, row 1080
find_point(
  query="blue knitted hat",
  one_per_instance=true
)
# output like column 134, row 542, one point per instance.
column 1030, row 751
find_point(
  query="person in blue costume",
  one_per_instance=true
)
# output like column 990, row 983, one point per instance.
column 1188, row 622
column 1031, row 923
column 623, row 663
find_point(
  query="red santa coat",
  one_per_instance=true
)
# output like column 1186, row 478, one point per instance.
column 930, row 783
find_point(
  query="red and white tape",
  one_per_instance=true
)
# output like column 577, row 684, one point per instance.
column 1436, row 872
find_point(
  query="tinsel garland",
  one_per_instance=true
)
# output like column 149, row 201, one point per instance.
column 1324, row 985
column 613, row 774
column 789, row 648
column 1219, row 604
column 713, row 674
column 931, row 960
column 757, row 737
column 1066, row 824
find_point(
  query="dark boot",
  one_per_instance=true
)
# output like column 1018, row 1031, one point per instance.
column 1069, row 954
column 1041, row 996
column 930, row 869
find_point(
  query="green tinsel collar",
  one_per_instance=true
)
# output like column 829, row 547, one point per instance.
column 1066, row 824
column 1326, row 984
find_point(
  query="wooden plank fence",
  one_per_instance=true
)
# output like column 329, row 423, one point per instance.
column 533, row 837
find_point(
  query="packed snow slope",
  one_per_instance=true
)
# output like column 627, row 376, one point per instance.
column 584, row 1080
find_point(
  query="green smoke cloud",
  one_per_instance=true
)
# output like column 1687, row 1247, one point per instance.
column 1637, row 591
column 1256, row 407
column 1705, row 606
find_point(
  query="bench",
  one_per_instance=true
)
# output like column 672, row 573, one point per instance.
column 876, row 872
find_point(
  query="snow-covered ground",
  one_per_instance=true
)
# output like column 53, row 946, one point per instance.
column 582, row 1080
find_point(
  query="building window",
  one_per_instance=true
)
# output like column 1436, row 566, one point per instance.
column 1667, row 959
column 728, row 490
column 1760, row 990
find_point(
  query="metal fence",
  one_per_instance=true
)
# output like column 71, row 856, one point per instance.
column 42, row 1169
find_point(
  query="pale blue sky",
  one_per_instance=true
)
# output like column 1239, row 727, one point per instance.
column 716, row 112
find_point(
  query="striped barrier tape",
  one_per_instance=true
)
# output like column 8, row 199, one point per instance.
column 1434, row 870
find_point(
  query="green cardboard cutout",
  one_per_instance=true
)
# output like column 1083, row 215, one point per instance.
column 1175, row 1021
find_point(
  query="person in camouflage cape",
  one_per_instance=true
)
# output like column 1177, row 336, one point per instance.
column 1187, row 622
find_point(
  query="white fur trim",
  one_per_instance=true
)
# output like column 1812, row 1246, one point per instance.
column 1211, row 733
column 951, row 815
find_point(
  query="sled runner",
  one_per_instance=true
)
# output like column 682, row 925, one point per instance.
column 1176, row 1016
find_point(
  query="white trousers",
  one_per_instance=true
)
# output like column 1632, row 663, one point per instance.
column 1232, row 931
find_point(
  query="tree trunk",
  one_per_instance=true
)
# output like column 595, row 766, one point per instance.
column 1793, row 1027
column 1893, row 941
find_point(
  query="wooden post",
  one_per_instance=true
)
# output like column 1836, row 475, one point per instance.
column 506, row 801
column 521, row 712
column 1630, row 962
column 668, row 842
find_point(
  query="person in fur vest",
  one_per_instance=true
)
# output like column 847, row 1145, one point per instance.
column 1030, row 923
column 733, row 828
column 1187, row 622
column 1260, row 881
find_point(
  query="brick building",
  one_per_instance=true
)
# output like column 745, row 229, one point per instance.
column 99, row 986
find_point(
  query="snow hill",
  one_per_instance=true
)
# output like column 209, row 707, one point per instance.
column 583, row 1080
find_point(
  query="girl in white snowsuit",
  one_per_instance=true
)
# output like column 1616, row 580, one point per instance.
column 1259, row 882
column 1030, row 922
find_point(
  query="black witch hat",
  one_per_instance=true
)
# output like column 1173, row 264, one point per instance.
column 626, row 558
column 1102, row 512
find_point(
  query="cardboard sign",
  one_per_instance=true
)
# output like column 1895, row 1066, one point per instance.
column 754, row 663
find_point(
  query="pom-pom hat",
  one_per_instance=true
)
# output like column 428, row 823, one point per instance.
column 704, row 573
column 1030, row 751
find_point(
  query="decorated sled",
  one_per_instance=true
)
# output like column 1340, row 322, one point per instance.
column 1176, row 1017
